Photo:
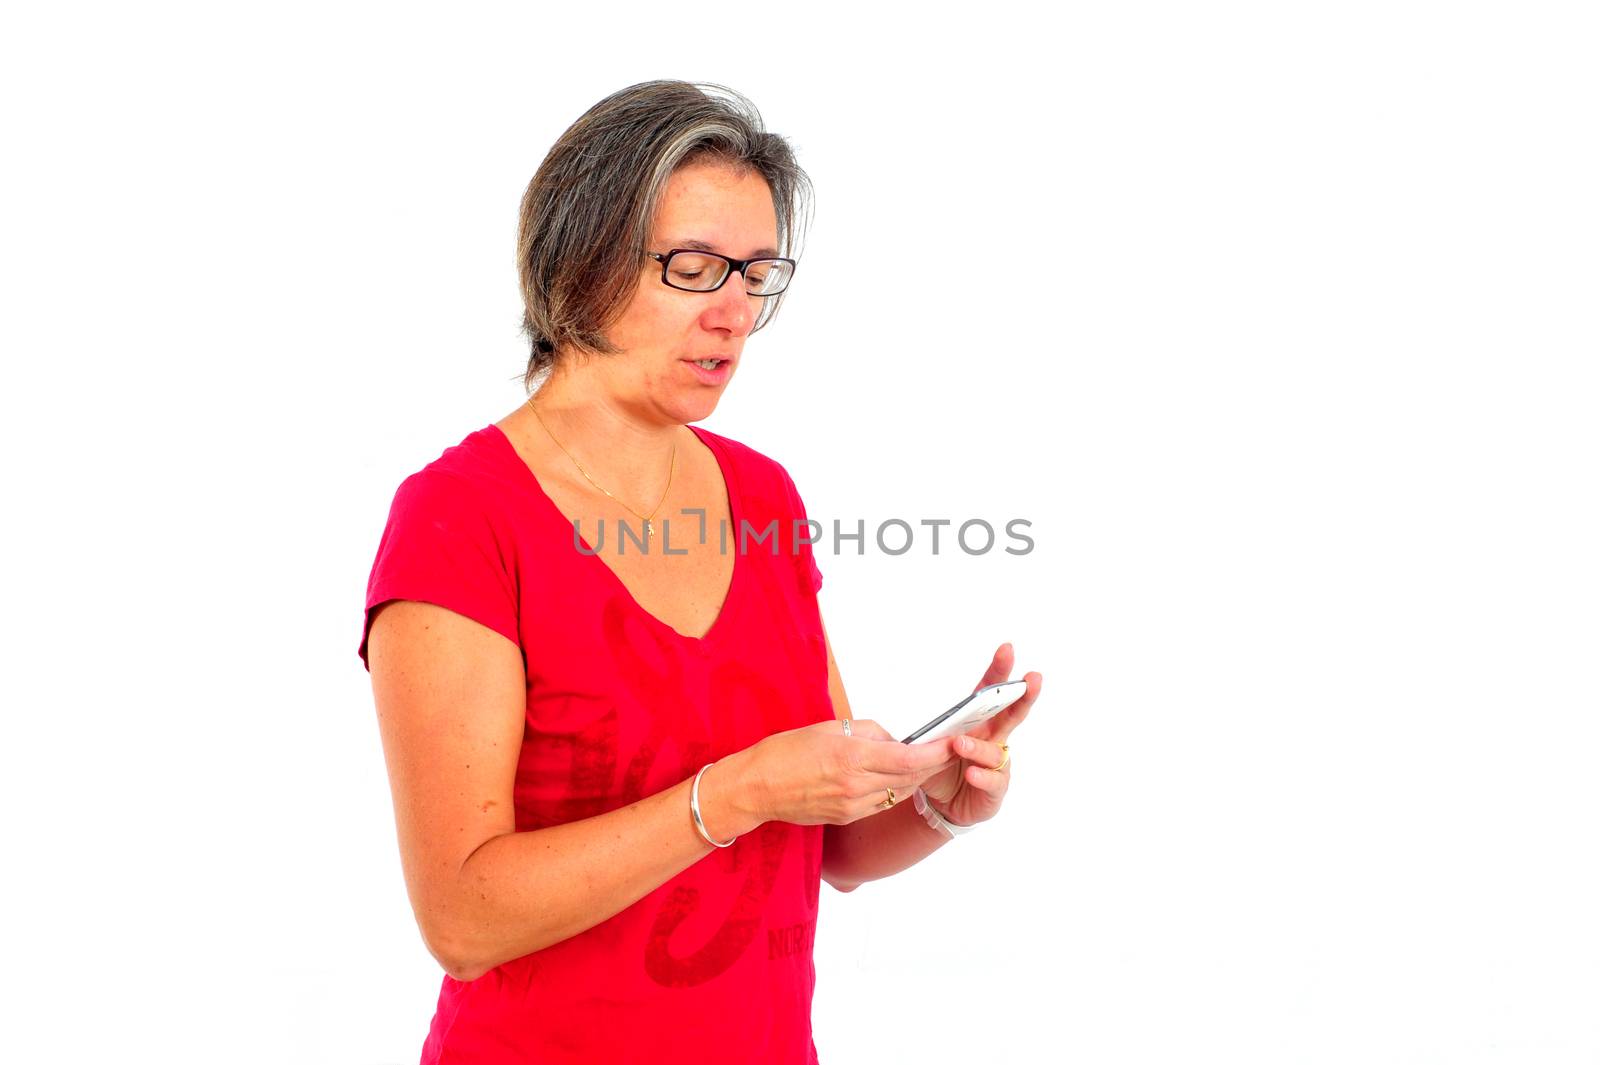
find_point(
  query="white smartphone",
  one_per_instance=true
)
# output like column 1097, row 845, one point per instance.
column 970, row 712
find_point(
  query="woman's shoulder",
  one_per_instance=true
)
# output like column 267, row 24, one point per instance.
column 466, row 491
column 473, row 471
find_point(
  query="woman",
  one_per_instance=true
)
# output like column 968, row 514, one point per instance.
column 620, row 777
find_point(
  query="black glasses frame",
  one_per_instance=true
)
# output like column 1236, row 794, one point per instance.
column 735, row 266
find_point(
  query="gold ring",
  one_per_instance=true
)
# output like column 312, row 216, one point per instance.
column 1006, row 747
column 887, row 803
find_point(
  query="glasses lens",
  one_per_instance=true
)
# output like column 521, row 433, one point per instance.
column 767, row 277
column 695, row 272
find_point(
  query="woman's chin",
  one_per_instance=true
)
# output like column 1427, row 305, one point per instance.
column 696, row 405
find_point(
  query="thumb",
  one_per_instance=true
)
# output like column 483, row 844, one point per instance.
column 999, row 666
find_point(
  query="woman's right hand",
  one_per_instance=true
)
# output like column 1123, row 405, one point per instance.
column 817, row 775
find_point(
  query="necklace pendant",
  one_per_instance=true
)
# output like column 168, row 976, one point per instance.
column 648, row 529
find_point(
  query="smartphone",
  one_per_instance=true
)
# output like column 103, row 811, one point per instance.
column 970, row 712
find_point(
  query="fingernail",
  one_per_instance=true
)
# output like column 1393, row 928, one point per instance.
column 966, row 745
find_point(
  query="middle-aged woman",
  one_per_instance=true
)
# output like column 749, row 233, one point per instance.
column 619, row 776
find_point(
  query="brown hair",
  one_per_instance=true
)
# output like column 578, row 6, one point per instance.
column 587, row 213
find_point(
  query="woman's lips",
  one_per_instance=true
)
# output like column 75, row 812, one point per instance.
column 711, row 377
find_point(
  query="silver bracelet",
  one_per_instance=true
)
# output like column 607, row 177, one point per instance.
column 694, row 809
column 949, row 828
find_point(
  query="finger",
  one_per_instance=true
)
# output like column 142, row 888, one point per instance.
column 903, row 784
column 881, row 763
column 905, row 759
column 874, row 749
column 999, row 667
column 1008, row 719
column 879, row 799
column 985, row 753
column 989, row 781
column 922, row 776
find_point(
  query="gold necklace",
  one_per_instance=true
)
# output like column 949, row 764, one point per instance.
column 649, row 528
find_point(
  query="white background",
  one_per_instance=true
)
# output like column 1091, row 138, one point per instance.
column 1277, row 321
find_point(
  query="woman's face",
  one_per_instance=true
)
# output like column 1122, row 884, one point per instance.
column 664, row 330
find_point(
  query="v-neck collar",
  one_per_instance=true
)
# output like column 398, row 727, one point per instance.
column 735, row 512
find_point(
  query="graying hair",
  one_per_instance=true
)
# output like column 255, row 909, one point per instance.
column 587, row 214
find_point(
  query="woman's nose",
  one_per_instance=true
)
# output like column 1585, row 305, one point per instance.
column 732, row 307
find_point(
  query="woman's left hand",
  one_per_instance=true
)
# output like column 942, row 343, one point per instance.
column 969, row 790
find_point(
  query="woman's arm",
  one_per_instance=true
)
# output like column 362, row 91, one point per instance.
column 451, row 698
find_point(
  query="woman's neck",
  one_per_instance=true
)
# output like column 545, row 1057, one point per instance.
column 619, row 445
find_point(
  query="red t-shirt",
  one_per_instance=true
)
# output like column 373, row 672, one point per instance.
column 715, row 965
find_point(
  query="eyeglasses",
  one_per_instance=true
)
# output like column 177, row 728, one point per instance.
column 705, row 271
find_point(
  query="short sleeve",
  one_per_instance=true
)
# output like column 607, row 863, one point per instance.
column 806, row 571
column 441, row 546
